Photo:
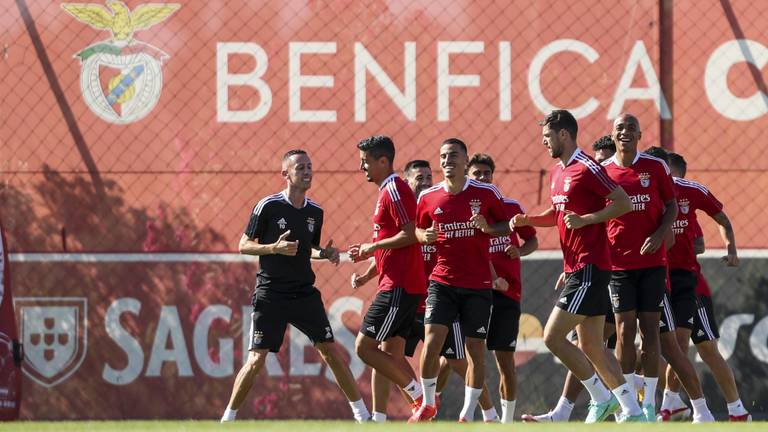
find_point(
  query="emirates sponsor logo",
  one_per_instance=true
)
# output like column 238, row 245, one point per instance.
column 639, row 201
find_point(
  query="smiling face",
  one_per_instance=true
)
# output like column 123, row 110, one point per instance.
column 453, row 161
column 419, row 179
column 626, row 133
column 375, row 169
column 481, row 172
column 297, row 170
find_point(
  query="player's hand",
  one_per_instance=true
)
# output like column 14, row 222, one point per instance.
column 330, row 253
column 480, row 222
column 512, row 252
column 573, row 221
column 285, row 247
column 430, row 234
column 519, row 220
column 358, row 280
column 652, row 244
column 731, row 260
column 560, row 281
column 500, row 284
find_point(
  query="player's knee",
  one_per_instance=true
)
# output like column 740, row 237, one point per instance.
column 255, row 361
column 327, row 350
column 553, row 340
column 708, row 351
column 363, row 347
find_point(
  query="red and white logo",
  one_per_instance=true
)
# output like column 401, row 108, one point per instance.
column 54, row 331
column 645, row 179
column 566, row 184
column 684, row 205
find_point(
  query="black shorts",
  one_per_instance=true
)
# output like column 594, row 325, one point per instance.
column 704, row 323
column 586, row 292
column 667, row 322
column 638, row 289
column 272, row 315
column 472, row 308
column 504, row 325
column 453, row 347
column 391, row 314
column 683, row 298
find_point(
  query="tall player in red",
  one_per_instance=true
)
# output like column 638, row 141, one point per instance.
column 687, row 280
column 505, row 316
column 579, row 189
column 458, row 215
column 399, row 266
column 638, row 258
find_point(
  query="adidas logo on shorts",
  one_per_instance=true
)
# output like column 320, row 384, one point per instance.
column 371, row 329
column 661, row 324
column 661, row 304
column 438, row 211
column 700, row 333
column 690, row 321
column 513, row 344
column 564, row 300
column 481, row 330
column 449, row 351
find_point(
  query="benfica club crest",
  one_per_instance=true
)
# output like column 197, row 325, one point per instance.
column 474, row 206
column 645, row 179
column 566, row 184
column 54, row 331
column 121, row 78
column 684, row 205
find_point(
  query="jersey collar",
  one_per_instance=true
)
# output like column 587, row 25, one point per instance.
column 288, row 200
column 573, row 156
column 615, row 159
column 387, row 180
column 466, row 185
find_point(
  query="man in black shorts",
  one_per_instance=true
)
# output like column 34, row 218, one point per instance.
column 284, row 232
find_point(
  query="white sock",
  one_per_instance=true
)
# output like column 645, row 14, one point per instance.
column 649, row 392
column 359, row 410
column 229, row 415
column 736, row 408
column 490, row 414
column 630, row 379
column 414, row 389
column 627, row 399
column 563, row 409
column 507, row 411
column 700, row 407
column 379, row 417
column 639, row 382
column 671, row 400
column 597, row 390
column 429, row 386
column 471, row 396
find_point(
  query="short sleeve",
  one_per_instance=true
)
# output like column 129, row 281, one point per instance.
column 423, row 218
column 257, row 221
column 707, row 202
column 401, row 203
column 316, row 238
column 597, row 178
column 666, row 184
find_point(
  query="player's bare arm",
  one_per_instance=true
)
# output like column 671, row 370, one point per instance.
column 358, row 280
column 548, row 218
column 669, row 239
column 654, row 241
column 619, row 205
column 329, row 253
column 250, row 246
column 406, row 237
column 726, row 232
column 527, row 248
column 496, row 229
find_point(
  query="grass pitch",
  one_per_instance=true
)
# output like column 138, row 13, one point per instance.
column 349, row 426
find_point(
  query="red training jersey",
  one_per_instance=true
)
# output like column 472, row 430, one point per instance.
column 580, row 186
column 649, row 185
column 462, row 249
column 506, row 267
column 702, row 287
column 691, row 196
column 401, row 267
column 429, row 254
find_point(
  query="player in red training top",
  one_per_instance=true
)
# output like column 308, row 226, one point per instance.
column 505, row 316
column 579, row 187
column 398, row 264
column 638, row 258
column 604, row 148
column 458, row 215
column 687, row 280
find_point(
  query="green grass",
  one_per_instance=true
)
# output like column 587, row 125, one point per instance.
column 344, row 426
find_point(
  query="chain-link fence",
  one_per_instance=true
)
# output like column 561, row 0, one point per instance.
column 136, row 139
